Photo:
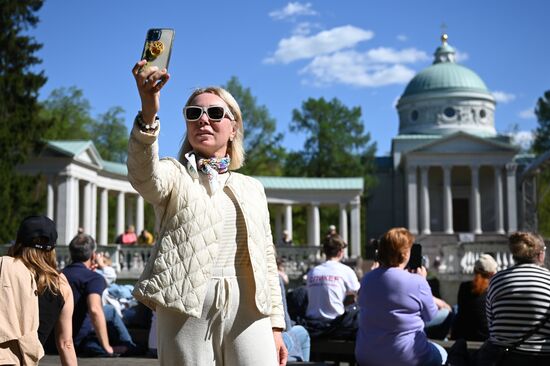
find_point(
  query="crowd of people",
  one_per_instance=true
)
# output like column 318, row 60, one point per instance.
column 216, row 290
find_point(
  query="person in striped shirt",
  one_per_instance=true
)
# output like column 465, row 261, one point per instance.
column 518, row 300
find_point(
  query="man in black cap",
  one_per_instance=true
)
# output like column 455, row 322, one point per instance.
column 88, row 287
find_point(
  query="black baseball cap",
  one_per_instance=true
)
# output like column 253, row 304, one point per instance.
column 34, row 227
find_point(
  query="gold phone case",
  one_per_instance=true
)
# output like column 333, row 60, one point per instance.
column 158, row 47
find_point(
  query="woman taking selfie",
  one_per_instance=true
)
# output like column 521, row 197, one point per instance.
column 212, row 276
column 34, row 246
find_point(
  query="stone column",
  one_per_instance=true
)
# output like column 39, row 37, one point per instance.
column 314, row 225
column 499, row 207
column 511, row 198
column 140, row 221
column 476, row 201
column 288, row 219
column 87, row 209
column 412, row 219
column 343, row 222
column 76, row 222
column 103, row 216
column 424, row 200
column 120, row 226
column 50, row 198
column 278, row 225
column 447, row 200
column 65, row 209
column 355, row 227
column 93, row 224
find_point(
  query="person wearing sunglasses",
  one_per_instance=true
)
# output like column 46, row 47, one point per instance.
column 212, row 277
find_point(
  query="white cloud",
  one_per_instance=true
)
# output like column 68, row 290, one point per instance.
column 389, row 55
column 292, row 10
column 524, row 139
column 503, row 97
column 527, row 113
column 354, row 68
column 402, row 37
column 301, row 47
column 461, row 56
column 303, row 28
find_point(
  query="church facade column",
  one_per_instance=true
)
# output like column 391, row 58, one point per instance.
column 355, row 227
column 499, row 206
column 343, row 222
column 476, row 200
column 103, row 216
column 447, row 200
column 50, row 198
column 412, row 209
column 140, row 216
column 314, row 225
column 77, row 219
column 288, row 219
column 511, row 199
column 424, row 200
column 120, row 207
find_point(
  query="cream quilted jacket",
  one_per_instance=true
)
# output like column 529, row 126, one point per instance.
column 190, row 225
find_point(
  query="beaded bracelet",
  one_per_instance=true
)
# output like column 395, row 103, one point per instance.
column 145, row 127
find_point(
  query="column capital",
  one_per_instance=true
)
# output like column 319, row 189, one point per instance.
column 424, row 168
column 511, row 168
column 475, row 167
column 411, row 169
column 447, row 167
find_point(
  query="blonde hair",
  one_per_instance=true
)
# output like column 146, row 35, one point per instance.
column 525, row 246
column 235, row 148
column 41, row 263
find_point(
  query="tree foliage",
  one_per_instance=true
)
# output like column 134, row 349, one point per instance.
column 542, row 133
column 69, row 112
column 264, row 153
column 336, row 145
column 21, row 127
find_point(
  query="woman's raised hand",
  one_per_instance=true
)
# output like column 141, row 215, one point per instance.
column 149, row 81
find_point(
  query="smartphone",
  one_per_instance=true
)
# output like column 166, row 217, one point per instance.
column 371, row 250
column 158, row 47
column 415, row 261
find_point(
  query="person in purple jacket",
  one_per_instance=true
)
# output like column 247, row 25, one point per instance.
column 395, row 304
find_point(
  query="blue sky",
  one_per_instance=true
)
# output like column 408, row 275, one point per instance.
column 361, row 52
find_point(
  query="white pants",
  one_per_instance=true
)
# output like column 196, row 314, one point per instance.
column 230, row 332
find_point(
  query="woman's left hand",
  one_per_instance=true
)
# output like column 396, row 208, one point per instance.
column 282, row 352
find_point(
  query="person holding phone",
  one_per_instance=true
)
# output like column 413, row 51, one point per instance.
column 212, row 276
column 394, row 306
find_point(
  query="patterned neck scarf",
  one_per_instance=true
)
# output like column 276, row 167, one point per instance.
column 212, row 168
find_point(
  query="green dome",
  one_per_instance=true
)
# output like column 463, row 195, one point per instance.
column 445, row 76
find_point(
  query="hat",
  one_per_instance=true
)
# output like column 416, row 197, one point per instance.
column 486, row 264
column 34, row 227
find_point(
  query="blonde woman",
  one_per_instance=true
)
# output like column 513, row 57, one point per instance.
column 212, row 276
column 35, row 247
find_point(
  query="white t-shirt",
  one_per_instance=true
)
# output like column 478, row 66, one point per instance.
column 327, row 285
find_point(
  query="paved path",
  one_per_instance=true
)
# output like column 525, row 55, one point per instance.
column 120, row 361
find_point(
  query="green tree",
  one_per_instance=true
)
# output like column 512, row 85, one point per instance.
column 110, row 135
column 69, row 112
column 264, row 153
column 336, row 145
column 542, row 133
column 21, row 127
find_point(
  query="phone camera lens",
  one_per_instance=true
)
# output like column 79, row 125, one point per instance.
column 154, row 35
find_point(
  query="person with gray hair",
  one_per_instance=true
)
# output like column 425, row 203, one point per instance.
column 518, row 307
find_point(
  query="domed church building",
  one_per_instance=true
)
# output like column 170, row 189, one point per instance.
column 450, row 175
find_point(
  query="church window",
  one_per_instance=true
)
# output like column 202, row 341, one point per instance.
column 414, row 115
column 449, row 112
